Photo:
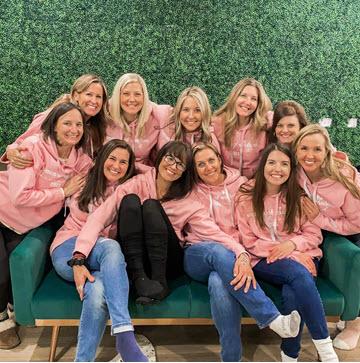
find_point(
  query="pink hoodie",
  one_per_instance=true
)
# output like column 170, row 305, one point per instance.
column 141, row 146
column 219, row 200
column 31, row 196
column 339, row 209
column 76, row 220
column 167, row 133
column 246, row 148
column 259, row 241
column 185, row 215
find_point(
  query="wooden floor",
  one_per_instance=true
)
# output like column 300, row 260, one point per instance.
column 179, row 344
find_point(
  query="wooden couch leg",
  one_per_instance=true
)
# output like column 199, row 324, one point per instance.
column 54, row 340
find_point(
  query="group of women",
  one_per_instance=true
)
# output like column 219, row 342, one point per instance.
column 153, row 191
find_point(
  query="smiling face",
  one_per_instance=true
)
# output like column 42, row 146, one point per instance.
column 131, row 100
column 69, row 128
column 276, row 171
column 170, row 169
column 91, row 100
column 208, row 167
column 247, row 102
column 116, row 165
column 311, row 153
column 287, row 129
column 190, row 115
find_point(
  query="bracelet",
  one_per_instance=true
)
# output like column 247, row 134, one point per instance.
column 77, row 262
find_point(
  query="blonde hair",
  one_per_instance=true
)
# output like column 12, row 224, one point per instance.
column 203, row 102
column 332, row 166
column 228, row 109
column 117, row 112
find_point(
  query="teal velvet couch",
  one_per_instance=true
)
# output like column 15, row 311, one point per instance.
column 42, row 298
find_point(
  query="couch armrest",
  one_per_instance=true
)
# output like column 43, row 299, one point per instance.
column 27, row 267
column 341, row 265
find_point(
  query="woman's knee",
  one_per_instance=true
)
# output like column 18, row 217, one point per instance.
column 110, row 249
column 130, row 202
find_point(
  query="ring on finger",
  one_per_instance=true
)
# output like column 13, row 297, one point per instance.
column 79, row 287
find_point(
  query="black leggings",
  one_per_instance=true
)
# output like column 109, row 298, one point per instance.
column 147, row 229
column 9, row 240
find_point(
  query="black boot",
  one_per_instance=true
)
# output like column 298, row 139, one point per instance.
column 130, row 237
column 156, row 241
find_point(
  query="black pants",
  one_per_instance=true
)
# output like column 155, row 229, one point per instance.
column 9, row 240
column 145, row 230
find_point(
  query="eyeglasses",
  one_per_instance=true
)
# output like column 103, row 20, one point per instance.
column 170, row 160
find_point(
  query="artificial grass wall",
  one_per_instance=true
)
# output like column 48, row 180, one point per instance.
column 305, row 50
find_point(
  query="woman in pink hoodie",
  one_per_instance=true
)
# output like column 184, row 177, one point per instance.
column 240, row 125
column 89, row 93
column 102, row 281
column 135, row 118
column 31, row 196
column 215, row 188
column 284, row 245
column 333, row 188
column 189, row 120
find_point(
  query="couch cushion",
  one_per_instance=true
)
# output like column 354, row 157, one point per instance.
column 58, row 299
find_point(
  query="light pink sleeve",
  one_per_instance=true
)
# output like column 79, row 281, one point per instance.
column 22, row 185
column 103, row 217
column 97, row 221
column 206, row 229
column 248, row 238
column 309, row 238
column 348, row 224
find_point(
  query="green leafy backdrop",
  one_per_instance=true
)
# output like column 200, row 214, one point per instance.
column 305, row 50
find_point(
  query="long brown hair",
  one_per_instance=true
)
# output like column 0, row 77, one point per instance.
column 290, row 190
column 95, row 187
column 96, row 124
column 228, row 109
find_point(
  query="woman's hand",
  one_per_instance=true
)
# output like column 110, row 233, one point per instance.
column 81, row 274
column 307, row 262
column 74, row 184
column 17, row 160
column 282, row 250
column 243, row 273
column 310, row 209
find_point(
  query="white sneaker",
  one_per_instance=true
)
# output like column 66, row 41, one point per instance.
column 286, row 326
column 325, row 350
column 286, row 358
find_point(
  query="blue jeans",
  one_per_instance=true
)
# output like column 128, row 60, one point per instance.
column 227, row 313
column 200, row 260
column 299, row 292
column 107, row 295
